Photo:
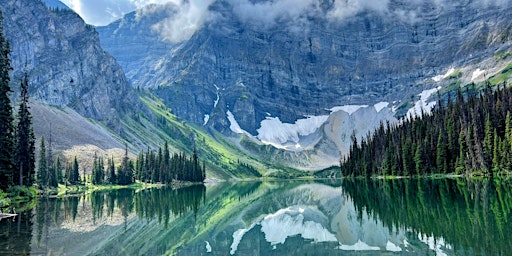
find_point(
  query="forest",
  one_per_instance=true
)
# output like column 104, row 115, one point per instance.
column 150, row 167
column 468, row 135
column 472, row 214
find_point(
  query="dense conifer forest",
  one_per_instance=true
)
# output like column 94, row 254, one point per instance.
column 471, row 134
column 162, row 167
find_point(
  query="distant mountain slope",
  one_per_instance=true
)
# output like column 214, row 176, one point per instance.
column 55, row 4
column 65, row 63
column 82, row 99
column 279, row 76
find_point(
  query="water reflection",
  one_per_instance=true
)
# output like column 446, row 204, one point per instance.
column 463, row 216
column 419, row 216
column 16, row 234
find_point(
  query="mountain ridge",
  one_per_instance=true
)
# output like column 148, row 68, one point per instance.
column 235, row 75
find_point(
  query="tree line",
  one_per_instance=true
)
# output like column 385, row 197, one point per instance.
column 151, row 167
column 473, row 214
column 17, row 140
column 469, row 135
column 162, row 167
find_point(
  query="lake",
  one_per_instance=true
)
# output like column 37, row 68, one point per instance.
column 348, row 217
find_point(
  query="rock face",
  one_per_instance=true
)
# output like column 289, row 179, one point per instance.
column 65, row 63
column 275, row 69
column 237, row 71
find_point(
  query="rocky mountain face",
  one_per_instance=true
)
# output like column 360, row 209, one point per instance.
column 281, row 78
column 65, row 63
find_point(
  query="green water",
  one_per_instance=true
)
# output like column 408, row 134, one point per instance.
column 370, row 217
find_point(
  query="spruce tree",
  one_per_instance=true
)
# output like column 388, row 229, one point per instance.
column 75, row 175
column 42, row 170
column 25, row 140
column 112, row 179
column 7, row 166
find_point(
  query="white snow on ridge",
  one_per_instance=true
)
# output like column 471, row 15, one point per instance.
column 359, row 246
column 285, row 223
column 208, row 247
column 393, row 247
column 234, row 126
column 381, row 105
column 206, row 119
column 350, row 109
column 422, row 104
column 237, row 237
column 290, row 222
column 218, row 97
column 273, row 131
column 434, row 244
column 441, row 77
column 478, row 72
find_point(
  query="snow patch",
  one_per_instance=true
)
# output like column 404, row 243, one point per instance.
column 234, row 126
column 206, row 119
column 237, row 237
column 434, row 244
column 359, row 246
column 218, row 97
column 208, row 247
column 381, row 105
column 285, row 223
column 392, row 247
column 441, row 77
column 478, row 72
column 350, row 109
column 422, row 103
column 290, row 222
column 276, row 133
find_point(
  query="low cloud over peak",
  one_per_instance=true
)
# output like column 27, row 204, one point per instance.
column 187, row 16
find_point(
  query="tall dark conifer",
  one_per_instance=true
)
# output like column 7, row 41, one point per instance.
column 42, row 171
column 7, row 166
column 25, row 141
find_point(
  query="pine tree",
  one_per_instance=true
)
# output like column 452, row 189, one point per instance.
column 42, row 170
column 125, row 171
column 111, row 177
column 57, row 169
column 75, row 174
column 25, row 140
column 7, row 166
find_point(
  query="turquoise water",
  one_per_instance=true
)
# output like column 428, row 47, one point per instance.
column 371, row 217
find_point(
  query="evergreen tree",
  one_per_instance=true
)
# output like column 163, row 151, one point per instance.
column 111, row 177
column 42, row 170
column 25, row 140
column 472, row 135
column 7, row 166
column 57, row 170
column 125, row 171
column 75, row 174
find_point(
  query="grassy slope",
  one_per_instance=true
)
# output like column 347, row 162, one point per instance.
column 222, row 158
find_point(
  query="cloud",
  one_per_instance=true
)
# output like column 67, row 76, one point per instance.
column 270, row 12
column 186, row 18
column 344, row 9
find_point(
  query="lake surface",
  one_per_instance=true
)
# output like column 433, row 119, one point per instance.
column 371, row 217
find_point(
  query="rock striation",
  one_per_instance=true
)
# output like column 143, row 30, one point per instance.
column 288, row 73
column 65, row 63
column 239, row 71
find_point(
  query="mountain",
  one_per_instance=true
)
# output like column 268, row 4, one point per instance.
column 55, row 4
column 82, row 102
column 79, row 95
column 304, row 77
column 65, row 63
